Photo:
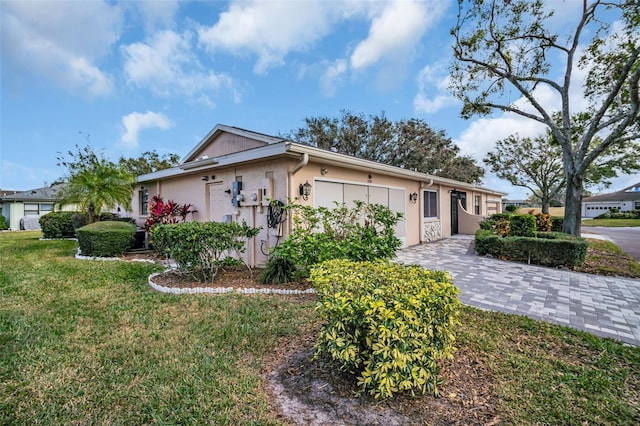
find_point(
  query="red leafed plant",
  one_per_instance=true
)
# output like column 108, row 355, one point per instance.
column 161, row 212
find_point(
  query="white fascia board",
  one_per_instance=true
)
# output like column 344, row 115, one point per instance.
column 161, row 174
column 367, row 165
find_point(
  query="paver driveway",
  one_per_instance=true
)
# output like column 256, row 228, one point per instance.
column 604, row 306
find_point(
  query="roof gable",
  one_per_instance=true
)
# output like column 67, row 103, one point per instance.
column 224, row 140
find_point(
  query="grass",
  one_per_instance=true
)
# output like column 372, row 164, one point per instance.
column 553, row 211
column 88, row 342
column 611, row 222
column 605, row 258
column 546, row 374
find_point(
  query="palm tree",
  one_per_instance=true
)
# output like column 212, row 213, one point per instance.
column 96, row 186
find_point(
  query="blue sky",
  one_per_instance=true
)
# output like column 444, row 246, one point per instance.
column 136, row 76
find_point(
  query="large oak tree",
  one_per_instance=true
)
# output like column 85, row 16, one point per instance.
column 536, row 163
column 506, row 50
column 411, row 144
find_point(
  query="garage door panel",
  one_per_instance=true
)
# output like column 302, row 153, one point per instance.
column 327, row 193
column 353, row 193
column 378, row 195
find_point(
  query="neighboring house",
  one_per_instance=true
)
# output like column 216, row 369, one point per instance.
column 626, row 200
column 233, row 173
column 26, row 207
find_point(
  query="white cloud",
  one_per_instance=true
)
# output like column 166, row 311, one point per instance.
column 272, row 29
column 157, row 14
column 433, row 77
column 137, row 121
column 167, row 65
column 394, row 33
column 62, row 42
column 332, row 76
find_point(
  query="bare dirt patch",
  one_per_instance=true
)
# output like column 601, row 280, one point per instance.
column 308, row 391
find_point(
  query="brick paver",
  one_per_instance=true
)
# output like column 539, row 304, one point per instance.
column 604, row 306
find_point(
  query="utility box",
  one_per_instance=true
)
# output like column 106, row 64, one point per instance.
column 250, row 197
column 236, row 188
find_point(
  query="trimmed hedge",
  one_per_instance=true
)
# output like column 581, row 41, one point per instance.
column 557, row 222
column 105, row 239
column 385, row 322
column 58, row 225
column 522, row 226
column 548, row 249
column 3, row 223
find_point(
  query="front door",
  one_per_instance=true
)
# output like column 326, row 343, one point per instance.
column 455, row 196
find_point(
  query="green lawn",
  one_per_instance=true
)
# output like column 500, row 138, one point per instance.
column 611, row 222
column 88, row 342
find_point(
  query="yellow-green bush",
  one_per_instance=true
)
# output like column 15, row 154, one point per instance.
column 387, row 323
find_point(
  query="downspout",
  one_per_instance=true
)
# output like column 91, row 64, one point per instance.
column 303, row 162
column 422, row 184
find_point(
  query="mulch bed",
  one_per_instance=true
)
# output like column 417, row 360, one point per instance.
column 308, row 391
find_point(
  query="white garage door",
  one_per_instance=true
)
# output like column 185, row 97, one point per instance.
column 328, row 193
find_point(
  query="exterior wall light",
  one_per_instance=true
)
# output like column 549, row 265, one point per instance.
column 305, row 190
column 205, row 178
column 413, row 197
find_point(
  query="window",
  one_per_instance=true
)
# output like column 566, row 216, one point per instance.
column 143, row 197
column 46, row 208
column 637, row 205
column 476, row 204
column 430, row 204
column 31, row 209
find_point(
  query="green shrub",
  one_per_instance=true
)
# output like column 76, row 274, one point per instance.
column 548, row 249
column 363, row 232
column 58, row 225
column 522, row 226
column 78, row 220
column 3, row 223
column 201, row 249
column 511, row 208
column 385, row 322
column 105, row 239
column 623, row 215
column 278, row 270
column 557, row 223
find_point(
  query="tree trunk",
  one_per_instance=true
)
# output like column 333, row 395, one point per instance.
column 546, row 203
column 573, row 206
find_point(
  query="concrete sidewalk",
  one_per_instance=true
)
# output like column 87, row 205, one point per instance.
column 604, row 306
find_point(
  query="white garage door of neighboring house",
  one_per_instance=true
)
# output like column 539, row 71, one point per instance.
column 327, row 192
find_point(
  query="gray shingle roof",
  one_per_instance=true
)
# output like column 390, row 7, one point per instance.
column 631, row 193
column 47, row 193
